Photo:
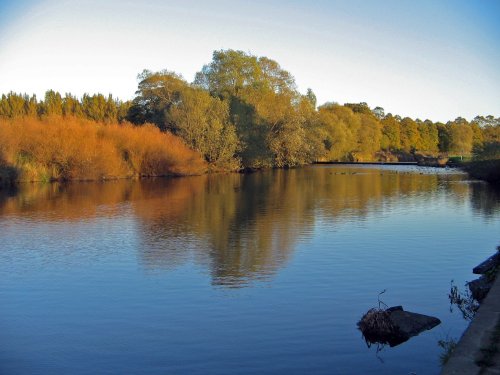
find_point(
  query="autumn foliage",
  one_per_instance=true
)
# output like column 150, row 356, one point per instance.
column 64, row 148
column 241, row 112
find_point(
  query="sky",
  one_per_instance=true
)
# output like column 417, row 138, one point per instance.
column 424, row 59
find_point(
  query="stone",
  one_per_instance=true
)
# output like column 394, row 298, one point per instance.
column 490, row 263
column 480, row 287
column 402, row 326
column 411, row 324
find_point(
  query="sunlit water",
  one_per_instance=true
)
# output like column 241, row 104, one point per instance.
column 265, row 273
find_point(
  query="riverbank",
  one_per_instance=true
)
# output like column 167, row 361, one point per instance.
column 368, row 162
column 62, row 149
column 486, row 170
column 478, row 352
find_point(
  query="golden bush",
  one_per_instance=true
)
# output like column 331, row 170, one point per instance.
column 68, row 148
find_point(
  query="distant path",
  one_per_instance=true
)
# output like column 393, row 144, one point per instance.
column 477, row 336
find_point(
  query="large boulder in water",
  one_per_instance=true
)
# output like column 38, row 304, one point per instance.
column 394, row 326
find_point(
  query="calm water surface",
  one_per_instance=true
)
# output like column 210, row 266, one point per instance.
column 265, row 273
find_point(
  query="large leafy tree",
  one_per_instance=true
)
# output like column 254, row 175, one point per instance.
column 429, row 138
column 52, row 105
column 265, row 107
column 202, row 121
column 410, row 136
column 156, row 94
column 391, row 134
column 460, row 136
column 369, row 136
column 71, row 106
column 12, row 105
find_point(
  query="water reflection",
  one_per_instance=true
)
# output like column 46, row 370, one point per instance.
column 485, row 198
column 242, row 227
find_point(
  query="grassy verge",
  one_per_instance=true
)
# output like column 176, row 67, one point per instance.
column 61, row 148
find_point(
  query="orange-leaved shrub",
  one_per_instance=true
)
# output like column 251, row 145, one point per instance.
column 68, row 148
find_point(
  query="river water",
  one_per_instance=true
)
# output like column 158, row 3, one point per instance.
column 263, row 273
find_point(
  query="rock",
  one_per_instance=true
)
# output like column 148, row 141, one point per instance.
column 480, row 287
column 490, row 263
column 394, row 326
column 411, row 324
column 394, row 308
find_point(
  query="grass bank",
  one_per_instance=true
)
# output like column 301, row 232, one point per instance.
column 68, row 148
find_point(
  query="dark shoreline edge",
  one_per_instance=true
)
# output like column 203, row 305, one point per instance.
column 480, row 338
column 371, row 163
column 486, row 170
column 11, row 183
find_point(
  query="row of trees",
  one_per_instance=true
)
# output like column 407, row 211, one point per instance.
column 92, row 107
column 244, row 110
column 355, row 131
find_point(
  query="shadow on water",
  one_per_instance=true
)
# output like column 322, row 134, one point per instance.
column 243, row 227
column 485, row 198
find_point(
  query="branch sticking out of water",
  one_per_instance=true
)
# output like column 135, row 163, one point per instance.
column 380, row 302
column 463, row 301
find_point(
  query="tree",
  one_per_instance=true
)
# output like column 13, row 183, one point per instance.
column 71, row 106
column 391, row 134
column 369, row 136
column 484, row 121
column 341, row 127
column 95, row 107
column 228, row 73
column 156, row 94
column 52, row 104
column 203, row 123
column 123, row 109
column 311, row 97
column 201, row 120
column 477, row 135
column 232, row 71
column 378, row 112
column 12, row 105
column 461, row 135
column 429, row 138
column 359, row 108
column 443, row 137
column 265, row 107
column 30, row 105
column 410, row 136
column 491, row 133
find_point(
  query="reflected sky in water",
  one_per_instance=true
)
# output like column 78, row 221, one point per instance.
column 222, row 274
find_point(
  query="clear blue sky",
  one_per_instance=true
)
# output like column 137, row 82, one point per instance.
column 425, row 59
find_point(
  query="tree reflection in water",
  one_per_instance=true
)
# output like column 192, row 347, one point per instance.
column 242, row 227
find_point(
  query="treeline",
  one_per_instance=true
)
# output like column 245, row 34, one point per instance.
column 246, row 111
column 92, row 107
column 358, row 133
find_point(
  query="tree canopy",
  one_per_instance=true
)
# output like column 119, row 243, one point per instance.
column 243, row 110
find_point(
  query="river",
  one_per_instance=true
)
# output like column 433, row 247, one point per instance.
column 263, row 273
